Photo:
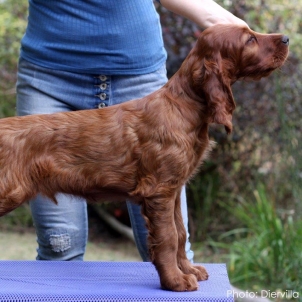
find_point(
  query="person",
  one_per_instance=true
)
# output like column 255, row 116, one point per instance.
column 92, row 54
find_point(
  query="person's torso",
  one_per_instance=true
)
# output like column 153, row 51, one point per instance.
column 94, row 36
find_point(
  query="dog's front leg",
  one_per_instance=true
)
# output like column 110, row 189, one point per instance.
column 183, row 263
column 163, row 243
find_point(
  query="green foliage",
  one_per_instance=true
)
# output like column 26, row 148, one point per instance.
column 19, row 219
column 7, row 104
column 267, row 252
column 13, row 22
column 202, row 194
column 12, row 27
column 290, row 110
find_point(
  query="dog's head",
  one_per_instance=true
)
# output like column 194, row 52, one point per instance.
column 226, row 53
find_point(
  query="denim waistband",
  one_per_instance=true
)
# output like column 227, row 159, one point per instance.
column 64, row 91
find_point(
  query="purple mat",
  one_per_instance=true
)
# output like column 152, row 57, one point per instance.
column 38, row 281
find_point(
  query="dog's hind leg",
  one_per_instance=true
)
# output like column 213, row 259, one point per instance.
column 183, row 263
column 163, row 243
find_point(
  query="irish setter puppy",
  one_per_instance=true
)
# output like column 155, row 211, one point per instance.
column 144, row 150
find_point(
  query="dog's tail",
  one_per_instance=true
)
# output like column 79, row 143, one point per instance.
column 13, row 199
column 7, row 206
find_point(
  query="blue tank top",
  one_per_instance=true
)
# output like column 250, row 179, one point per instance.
column 113, row 37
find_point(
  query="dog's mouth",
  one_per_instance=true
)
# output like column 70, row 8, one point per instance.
column 273, row 63
column 257, row 74
column 279, row 59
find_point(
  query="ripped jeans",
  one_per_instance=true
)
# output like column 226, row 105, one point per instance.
column 62, row 229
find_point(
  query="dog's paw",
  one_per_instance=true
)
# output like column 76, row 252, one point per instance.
column 197, row 270
column 181, row 283
column 200, row 272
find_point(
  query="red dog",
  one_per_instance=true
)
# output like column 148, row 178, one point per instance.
column 144, row 150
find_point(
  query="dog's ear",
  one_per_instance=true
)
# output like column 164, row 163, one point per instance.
column 216, row 87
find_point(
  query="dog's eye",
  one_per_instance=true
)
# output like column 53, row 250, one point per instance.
column 251, row 39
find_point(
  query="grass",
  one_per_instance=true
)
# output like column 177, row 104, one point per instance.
column 22, row 246
column 267, row 252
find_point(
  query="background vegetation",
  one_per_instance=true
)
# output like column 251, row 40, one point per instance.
column 246, row 202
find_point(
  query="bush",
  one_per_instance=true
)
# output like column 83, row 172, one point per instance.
column 266, row 253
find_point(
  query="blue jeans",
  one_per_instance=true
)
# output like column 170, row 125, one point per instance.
column 62, row 229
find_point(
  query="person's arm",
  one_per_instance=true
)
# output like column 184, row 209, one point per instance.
column 205, row 13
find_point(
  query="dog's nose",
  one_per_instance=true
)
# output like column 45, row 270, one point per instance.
column 285, row 40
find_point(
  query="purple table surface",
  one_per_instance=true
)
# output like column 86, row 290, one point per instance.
column 84, row 281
